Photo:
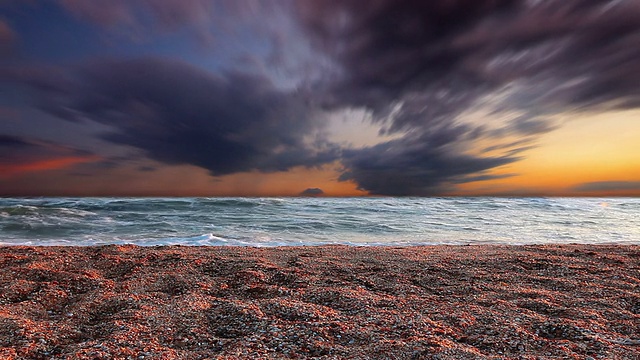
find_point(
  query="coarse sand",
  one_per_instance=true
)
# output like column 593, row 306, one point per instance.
column 328, row 302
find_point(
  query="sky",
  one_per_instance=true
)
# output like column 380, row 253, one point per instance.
column 319, row 98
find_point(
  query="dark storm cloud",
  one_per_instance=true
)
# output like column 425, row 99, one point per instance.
column 49, row 86
column 7, row 141
column 389, row 49
column 419, row 65
column 418, row 165
column 608, row 186
column 179, row 114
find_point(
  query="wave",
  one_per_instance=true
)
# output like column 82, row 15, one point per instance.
column 305, row 221
column 25, row 210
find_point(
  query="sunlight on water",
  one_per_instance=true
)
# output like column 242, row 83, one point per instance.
column 317, row 221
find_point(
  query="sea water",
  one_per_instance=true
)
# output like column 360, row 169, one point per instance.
column 318, row 221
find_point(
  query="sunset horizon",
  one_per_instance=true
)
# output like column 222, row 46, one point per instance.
column 335, row 179
column 273, row 98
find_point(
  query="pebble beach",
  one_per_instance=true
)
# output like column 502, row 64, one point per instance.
column 326, row 302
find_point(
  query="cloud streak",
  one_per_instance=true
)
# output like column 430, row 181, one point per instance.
column 419, row 165
column 21, row 155
column 139, row 19
column 603, row 186
column 454, row 52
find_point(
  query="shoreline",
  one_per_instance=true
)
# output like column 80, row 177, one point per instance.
column 326, row 301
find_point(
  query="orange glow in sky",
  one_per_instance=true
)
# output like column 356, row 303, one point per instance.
column 286, row 98
column 603, row 147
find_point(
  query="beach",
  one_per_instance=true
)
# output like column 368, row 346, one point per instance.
column 331, row 302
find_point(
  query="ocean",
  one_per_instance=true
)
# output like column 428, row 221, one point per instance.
column 318, row 221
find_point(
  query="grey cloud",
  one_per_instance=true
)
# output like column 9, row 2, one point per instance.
column 419, row 65
column 48, row 85
column 18, row 150
column 485, row 177
column 179, row 114
column 389, row 49
column 608, row 186
column 528, row 126
column 525, row 127
column 423, row 165
column 511, row 145
column 7, row 141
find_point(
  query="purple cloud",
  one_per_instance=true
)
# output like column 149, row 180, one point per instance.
column 180, row 114
column 418, row 66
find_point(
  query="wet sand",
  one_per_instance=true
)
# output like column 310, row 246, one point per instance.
column 333, row 302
